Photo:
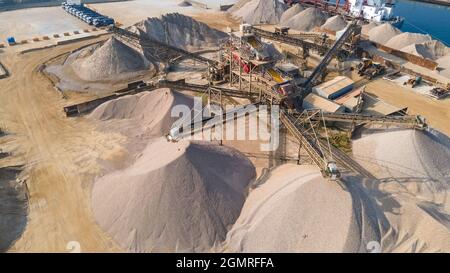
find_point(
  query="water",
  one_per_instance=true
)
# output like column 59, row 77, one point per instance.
column 425, row 18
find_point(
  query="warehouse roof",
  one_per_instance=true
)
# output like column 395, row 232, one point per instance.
column 334, row 85
column 313, row 101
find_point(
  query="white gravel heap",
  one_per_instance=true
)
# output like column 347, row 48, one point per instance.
column 335, row 23
column 260, row 11
column 367, row 27
column 111, row 61
column 146, row 113
column 291, row 12
column 176, row 197
column 383, row 33
column 307, row 20
column 405, row 39
column 431, row 50
column 297, row 210
column 180, row 31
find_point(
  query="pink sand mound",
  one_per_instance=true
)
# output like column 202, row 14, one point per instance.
column 149, row 111
column 297, row 210
column 176, row 197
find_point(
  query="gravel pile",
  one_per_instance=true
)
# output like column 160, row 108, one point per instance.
column 367, row 27
column 297, row 210
column 430, row 50
column 111, row 61
column 383, row 33
column 405, row 39
column 146, row 113
column 290, row 12
column 176, row 197
column 335, row 23
column 260, row 11
column 307, row 20
column 180, row 31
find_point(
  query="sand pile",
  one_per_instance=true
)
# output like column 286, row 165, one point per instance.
column 111, row 61
column 444, row 62
column 405, row 39
column 413, row 185
column 367, row 27
column 335, row 23
column 261, row 11
column 147, row 113
column 290, row 12
column 431, row 50
column 180, row 31
column 297, row 210
column 184, row 4
column 239, row 4
column 383, row 33
column 176, row 197
column 307, row 20
column 407, row 153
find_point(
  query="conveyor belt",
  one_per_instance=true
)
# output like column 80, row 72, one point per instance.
column 414, row 121
column 306, row 141
column 148, row 42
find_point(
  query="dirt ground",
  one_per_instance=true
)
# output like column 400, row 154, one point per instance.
column 60, row 154
column 437, row 112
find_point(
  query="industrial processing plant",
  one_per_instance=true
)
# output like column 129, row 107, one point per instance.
column 250, row 126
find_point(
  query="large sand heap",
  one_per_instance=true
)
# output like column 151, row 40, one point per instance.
column 111, row 61
column 307, row 20
column 407, row 153
column 261, row 11
column 430, row 50
column 176, row 197
column 444, row 62
column 383, row 33
column 290, row 12
column 413, row 186
column 335, row 23
column 180, row 31
column 239, row 4
column 405, row 39
column 367, row 27
column 144, row 113
column 297, row 210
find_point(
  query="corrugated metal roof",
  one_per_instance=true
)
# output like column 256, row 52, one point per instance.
column 334, row 85
column 316, row 101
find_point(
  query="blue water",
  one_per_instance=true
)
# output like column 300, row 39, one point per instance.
column 425, row 18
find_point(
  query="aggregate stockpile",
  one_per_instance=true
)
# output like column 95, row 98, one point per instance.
column 172, row 196
column 180, row 31
column 111, row 61
column 259, row 11
column 297, row 210
column 383, row 33
column 147, row 114
column 335, row 23
column 290, row 12
column 432, row 50
column 413, row 43
column 405, row 39
column 413, row 185
column 307, row 20
column 176, row 197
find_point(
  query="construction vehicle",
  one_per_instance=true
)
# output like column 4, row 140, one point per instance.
column 413, row 82
column 282, row 30
column 370, row 69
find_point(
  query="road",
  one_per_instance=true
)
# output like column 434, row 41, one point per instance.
column 60, row 157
